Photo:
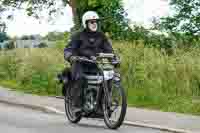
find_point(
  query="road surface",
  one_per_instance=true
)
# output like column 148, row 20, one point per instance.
column 22, row 120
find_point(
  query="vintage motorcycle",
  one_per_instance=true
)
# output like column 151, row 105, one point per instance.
column 102, row 94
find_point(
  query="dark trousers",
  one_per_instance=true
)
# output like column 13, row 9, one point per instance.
column 78, row 70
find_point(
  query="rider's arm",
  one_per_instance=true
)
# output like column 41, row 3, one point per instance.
column 71, row 48
column 107, row 47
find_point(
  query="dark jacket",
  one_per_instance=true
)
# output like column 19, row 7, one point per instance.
column 87, row 44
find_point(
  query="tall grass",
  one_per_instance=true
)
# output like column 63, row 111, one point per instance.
column 151, row 77
column 34, row 70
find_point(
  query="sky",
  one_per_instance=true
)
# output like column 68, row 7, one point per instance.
column 139, row 11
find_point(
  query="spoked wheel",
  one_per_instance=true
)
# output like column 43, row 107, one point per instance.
column 69, row 107
column 115, row 108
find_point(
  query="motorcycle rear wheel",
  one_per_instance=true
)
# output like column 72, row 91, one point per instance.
column 72, row 117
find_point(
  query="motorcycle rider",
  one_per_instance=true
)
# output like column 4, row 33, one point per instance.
column 86, row 43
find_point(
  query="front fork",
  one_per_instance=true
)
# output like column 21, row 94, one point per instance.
column 105, row 91
column 114, row 83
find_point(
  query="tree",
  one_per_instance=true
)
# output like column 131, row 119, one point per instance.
column 25, row 37
column 42, row 45
column 57, row 36
column 112, row 11
column 155, row 23
column 10, row 45
column 3, row 37
column 185, row 19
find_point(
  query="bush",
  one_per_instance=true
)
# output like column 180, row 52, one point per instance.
column 151, row 78
column 42, row 45
column 61, row 44
column 10, row 45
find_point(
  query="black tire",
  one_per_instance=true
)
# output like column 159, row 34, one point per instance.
column 119, row 122
column 68, row 107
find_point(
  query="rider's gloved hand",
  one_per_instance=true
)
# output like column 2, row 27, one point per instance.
column 73, row 58
column 116, row 61
column 94, row 58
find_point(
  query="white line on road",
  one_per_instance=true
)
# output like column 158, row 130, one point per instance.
column 54, row 110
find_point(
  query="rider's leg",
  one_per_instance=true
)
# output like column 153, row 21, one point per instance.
column 77, row 84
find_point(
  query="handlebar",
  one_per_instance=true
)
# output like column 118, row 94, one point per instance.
column 86, row 59
column 100, row 55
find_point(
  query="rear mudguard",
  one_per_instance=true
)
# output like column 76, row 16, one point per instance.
column 64, row 78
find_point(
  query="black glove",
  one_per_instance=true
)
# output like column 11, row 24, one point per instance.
column 116, row 61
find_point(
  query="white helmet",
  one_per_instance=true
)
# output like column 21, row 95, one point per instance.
column 89, row 15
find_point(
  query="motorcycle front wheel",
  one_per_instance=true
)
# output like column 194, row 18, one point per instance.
column 114, row 108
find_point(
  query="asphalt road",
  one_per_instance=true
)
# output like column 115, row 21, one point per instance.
column 22, row 120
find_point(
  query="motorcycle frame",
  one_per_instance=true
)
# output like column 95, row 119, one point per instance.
column 103, row 89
